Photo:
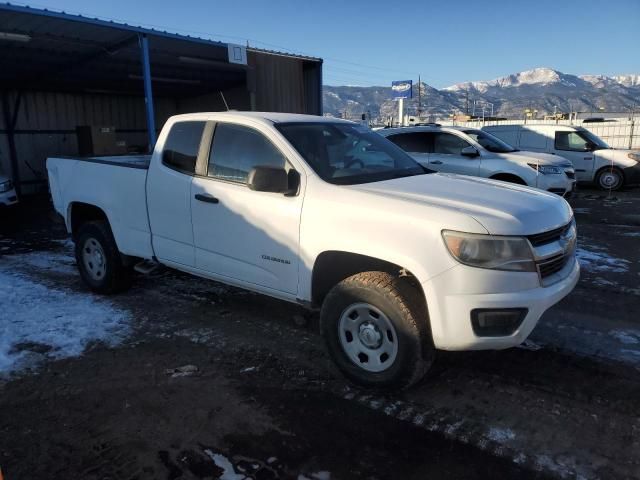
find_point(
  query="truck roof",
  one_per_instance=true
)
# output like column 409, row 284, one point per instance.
column 270, row 117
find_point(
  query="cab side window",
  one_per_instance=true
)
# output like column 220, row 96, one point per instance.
column 414, row 142
column 181, row 146
column 570, row 141
column 237, row 149
column 448, row 144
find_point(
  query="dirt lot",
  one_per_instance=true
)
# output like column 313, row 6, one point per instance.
column 89, row 387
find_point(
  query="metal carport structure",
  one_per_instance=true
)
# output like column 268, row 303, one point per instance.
column 58, row 71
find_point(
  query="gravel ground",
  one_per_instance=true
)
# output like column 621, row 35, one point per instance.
column 183, row 378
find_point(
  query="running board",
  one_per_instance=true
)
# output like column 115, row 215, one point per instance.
column 146, row 267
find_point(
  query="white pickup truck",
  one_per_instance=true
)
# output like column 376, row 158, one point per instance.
column 326, row 213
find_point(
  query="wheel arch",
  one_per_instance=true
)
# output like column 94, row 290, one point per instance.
column 333, row 266
column 508, row 177
column 79, row 213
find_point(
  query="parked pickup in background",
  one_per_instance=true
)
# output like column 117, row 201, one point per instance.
column 469, row 151
column 594, row 161
column 326, row 213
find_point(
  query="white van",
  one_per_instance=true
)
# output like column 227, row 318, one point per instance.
column 469, row 151
column 593, row 160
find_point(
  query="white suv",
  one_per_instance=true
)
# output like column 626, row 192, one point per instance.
column 470, row 151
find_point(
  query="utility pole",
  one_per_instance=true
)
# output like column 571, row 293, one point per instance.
column 466, row 101
column 419, row 98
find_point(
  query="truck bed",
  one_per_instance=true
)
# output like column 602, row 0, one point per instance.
column 116, row 185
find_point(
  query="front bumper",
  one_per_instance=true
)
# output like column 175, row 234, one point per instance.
column 452, row 295
column 559, row 184
column 8, row 198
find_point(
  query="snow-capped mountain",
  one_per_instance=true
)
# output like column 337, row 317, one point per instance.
column 537, row 76
column 544, row 89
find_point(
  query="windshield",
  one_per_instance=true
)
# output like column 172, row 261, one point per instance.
column 489, row 142
column 348, row 154
column 597, row 141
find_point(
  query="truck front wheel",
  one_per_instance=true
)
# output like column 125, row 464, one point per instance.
column 99, row 260
column 376, row 329
column 610, row 178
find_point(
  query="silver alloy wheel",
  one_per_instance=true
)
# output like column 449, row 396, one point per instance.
column 368, row 337
column 610, row 179
column 94, row 259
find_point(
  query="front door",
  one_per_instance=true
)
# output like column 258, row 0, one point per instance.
column 447, row 155
column 239, row 233
column 574, row 147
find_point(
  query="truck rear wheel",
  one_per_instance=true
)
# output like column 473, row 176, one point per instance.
column 99, row 260
column 376, row 329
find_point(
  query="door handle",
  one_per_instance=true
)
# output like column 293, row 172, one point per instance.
column 206, row 198
column 436, row 162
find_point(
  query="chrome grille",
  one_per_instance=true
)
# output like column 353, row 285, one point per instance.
column 548, row 237
column 553, row 265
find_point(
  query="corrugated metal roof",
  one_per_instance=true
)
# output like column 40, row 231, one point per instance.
column 28, row 19
column 64, row 52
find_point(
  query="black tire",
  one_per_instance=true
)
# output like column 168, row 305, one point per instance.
column 610, row 178
column 114, row 276
column 401, row 303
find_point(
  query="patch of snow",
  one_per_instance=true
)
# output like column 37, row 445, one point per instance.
column 322, row 475
column 228, row 472
column 67, row 322
column 631, row 234
column 595, row 259
column 58, row 262
column 626, row 337
column 500, row 435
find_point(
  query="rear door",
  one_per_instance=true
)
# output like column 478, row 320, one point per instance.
column 572, row 146
column 447, row 156
column 169, row 193
column 239, row 233
column 416, row 144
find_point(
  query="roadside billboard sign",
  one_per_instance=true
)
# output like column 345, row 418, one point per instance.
column 402, row 88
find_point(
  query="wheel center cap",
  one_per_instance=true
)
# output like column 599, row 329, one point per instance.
column 370, row 336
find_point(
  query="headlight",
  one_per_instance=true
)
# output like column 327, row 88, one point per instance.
column 634, row 156
column 6, row 186
column 546, row 169
column 489, row 251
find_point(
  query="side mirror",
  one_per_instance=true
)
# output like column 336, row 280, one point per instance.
column 264, row 178
column 590, row 146
column 469, row 152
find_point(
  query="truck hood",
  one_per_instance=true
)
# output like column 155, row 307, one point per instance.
column 501, row 208
column 536, row 157
column 619, row 157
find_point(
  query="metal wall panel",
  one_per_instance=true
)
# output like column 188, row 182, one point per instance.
column 46, row 123
column 279, row 83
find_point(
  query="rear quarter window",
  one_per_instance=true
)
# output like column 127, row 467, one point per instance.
column 182, row 145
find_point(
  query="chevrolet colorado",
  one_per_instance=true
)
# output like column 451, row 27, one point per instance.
column 325, row 213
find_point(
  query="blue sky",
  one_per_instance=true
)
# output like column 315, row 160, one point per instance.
column 372, row 43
